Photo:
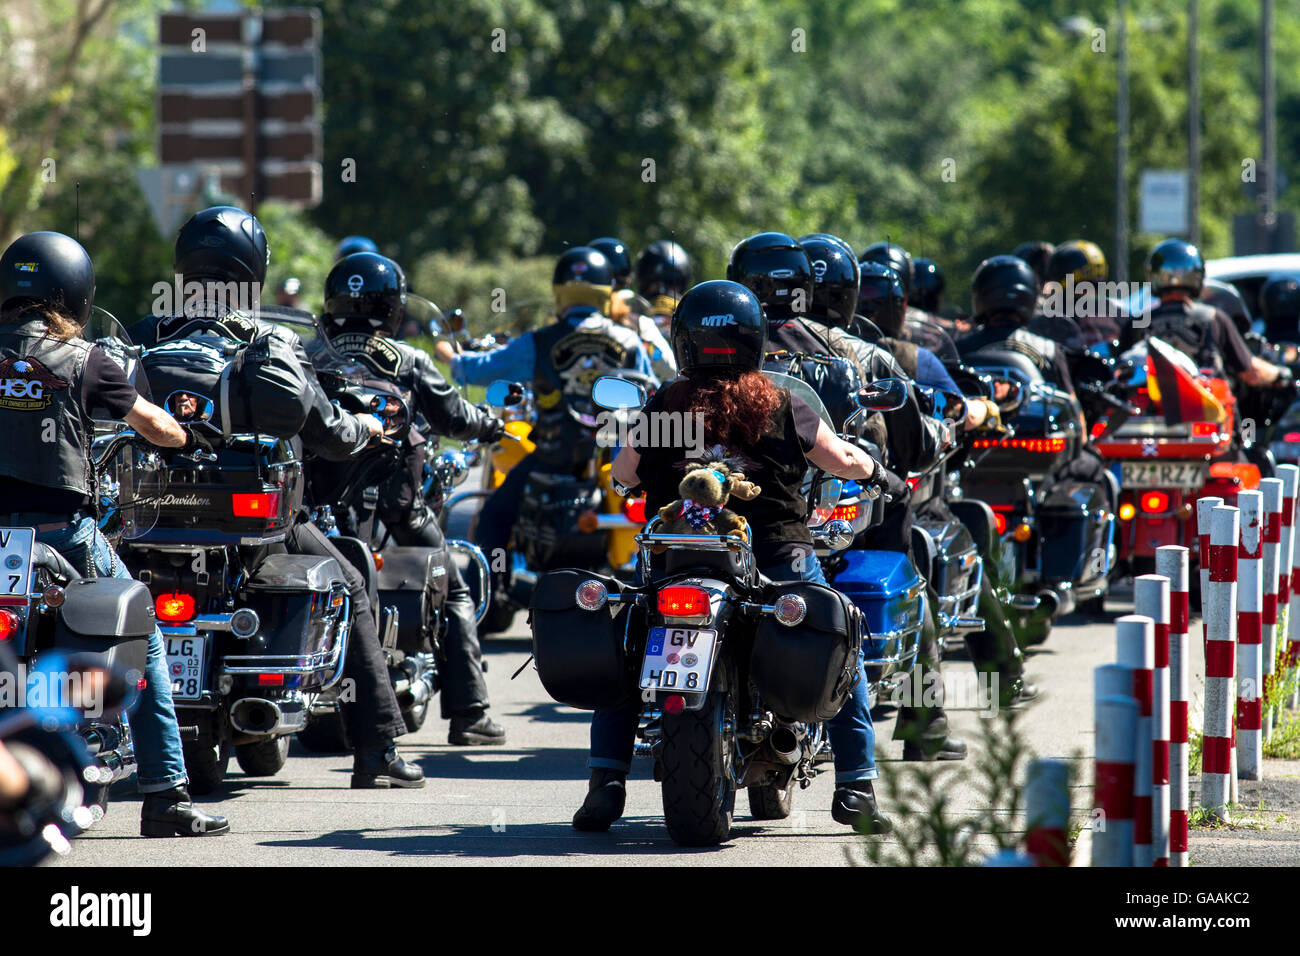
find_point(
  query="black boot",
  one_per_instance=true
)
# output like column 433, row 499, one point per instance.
column 478, row 728
column 606, row 794
column 854, row 805
column 171, row 813
column 946, row 748
column 377, row 767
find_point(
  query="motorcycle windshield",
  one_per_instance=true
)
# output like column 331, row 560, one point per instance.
column 930, row 335
column 798, row 386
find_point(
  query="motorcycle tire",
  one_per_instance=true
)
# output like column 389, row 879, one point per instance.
column 767, row 802
column 264, row 758
column 325, row 735
column 500, row 615
column 206, row 764
column 699, row 792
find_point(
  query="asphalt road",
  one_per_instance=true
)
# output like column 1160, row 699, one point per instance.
column 511, row 805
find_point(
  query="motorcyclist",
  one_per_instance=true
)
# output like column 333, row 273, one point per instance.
column 780, row 271
column 628, row 308
column 927, row 287
column 1176, row 272
column 365, row 299
column 1073, row 303
column 1226, row 297
column 560, row 360
column 995, row 649
column 47, row 288
column 661, row 274
column 1037, row 253
column 748, row 416
column 219, row 246
column 894, row 256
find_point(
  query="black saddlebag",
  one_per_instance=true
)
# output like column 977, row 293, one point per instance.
column 806, row 672
column 582, row 656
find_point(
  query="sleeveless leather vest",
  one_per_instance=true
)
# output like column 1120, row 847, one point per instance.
column 1189, row 327
column 47, row 432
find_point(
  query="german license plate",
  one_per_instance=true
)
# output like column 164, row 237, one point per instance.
column 678, row 659
column 185, row 665
column 1163, row 474
column 15, row 564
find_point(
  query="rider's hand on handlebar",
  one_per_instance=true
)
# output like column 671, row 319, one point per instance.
column 493, row 427
column 444, row 351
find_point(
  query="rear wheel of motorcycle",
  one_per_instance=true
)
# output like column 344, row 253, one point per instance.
column 205, row 763
column 264, row 758
column 767, row 802
column 414, row 715
column 325, row 735
column 699, row 792
column 500, row 615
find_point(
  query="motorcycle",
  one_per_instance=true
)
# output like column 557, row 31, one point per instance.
column 735, row 674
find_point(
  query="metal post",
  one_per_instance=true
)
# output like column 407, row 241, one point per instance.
column 1193, row 123
column 1268, row 132
column 1121, row 147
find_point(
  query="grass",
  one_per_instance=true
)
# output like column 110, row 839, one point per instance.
column 1195, row 746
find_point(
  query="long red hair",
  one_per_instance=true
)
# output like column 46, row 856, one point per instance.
column 737, row 409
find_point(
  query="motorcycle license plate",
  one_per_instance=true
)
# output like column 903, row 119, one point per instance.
column 15, row 564
column 185, row 665
column 678, row 659
column 1163, row 474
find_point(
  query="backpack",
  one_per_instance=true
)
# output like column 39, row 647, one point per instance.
column 258, row 386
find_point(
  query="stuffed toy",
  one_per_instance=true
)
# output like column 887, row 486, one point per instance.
column 702, row 507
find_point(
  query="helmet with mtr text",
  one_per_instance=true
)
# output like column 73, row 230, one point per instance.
column 719, row 325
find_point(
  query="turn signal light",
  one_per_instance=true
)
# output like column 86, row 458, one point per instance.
column 1126, row 511
column 683, row 601
column 1204, row 429
column 8, row 625
column 1022, row 533
column 174, row 607
column 1000, row 522
column 591, row 595
column 634, row 510
column 588, row 522
column 261, row 505
column 1155, row 502
column 846, row 512
column 379, row 560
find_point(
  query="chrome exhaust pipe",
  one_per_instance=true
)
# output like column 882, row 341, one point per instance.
column 256, row 716
column 785, row 742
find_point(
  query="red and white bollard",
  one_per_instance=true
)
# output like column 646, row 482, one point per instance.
column 1220, row 650
column 1116, row 716
column 1171, row 563
column 1271, row 489
column 1290, row 476
column 1135, row 647
column 1151, row 599
column 1204, row 508
column 1250, row 636
column 1047, row 812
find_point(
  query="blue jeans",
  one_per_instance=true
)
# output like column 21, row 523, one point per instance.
column 160, row 762
column 851, row 732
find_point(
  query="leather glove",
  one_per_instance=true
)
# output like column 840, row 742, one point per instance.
column 200, row 436
column 493, row 427
column 1285, row 378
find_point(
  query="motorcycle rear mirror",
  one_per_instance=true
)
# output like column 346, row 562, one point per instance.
column 1007, row 392
column 883, row 395
column 505, row 394
column 616, row 393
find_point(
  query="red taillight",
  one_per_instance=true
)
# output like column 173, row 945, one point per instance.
column 846, row 512
column 1204, row 429
column 8, row 625
column 270, row 680
column 674, row 704
column 683, row 601
column 634, row 510
column 1155, row 502
column 1291, row 437
column 1098, row 428
column 262, row 505
column 914, row 482
column 174, row 607
column 707, row 350
column 1041, row 445
column 1000, row 518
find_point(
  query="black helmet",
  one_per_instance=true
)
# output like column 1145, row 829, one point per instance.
column 1004, row 284
column 48, row 268
column 719, row 324
column 1037, row 253
column 1279, row 304
column 662, row 268
column 1079, row 258
column 223, row 243
column 582, row 277
column 892, row 255
column 927, row 285
column 620, row 263
column 368, row 286
column 1176, row 264
column 1227, row 298
column 835, row 278
column 350, row 244
column 777, row 270
column 881, row 298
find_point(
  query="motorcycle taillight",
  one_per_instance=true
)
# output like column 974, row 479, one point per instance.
column 174, row 608
column 9, row 624
column 634, row 510
column 683, row 601
column 260, row 505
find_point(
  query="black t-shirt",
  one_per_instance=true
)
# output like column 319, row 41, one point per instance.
column 778, row 517
column 106, row 387
column 1226, row 338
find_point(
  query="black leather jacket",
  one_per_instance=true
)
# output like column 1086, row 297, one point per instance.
column 329, row 432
